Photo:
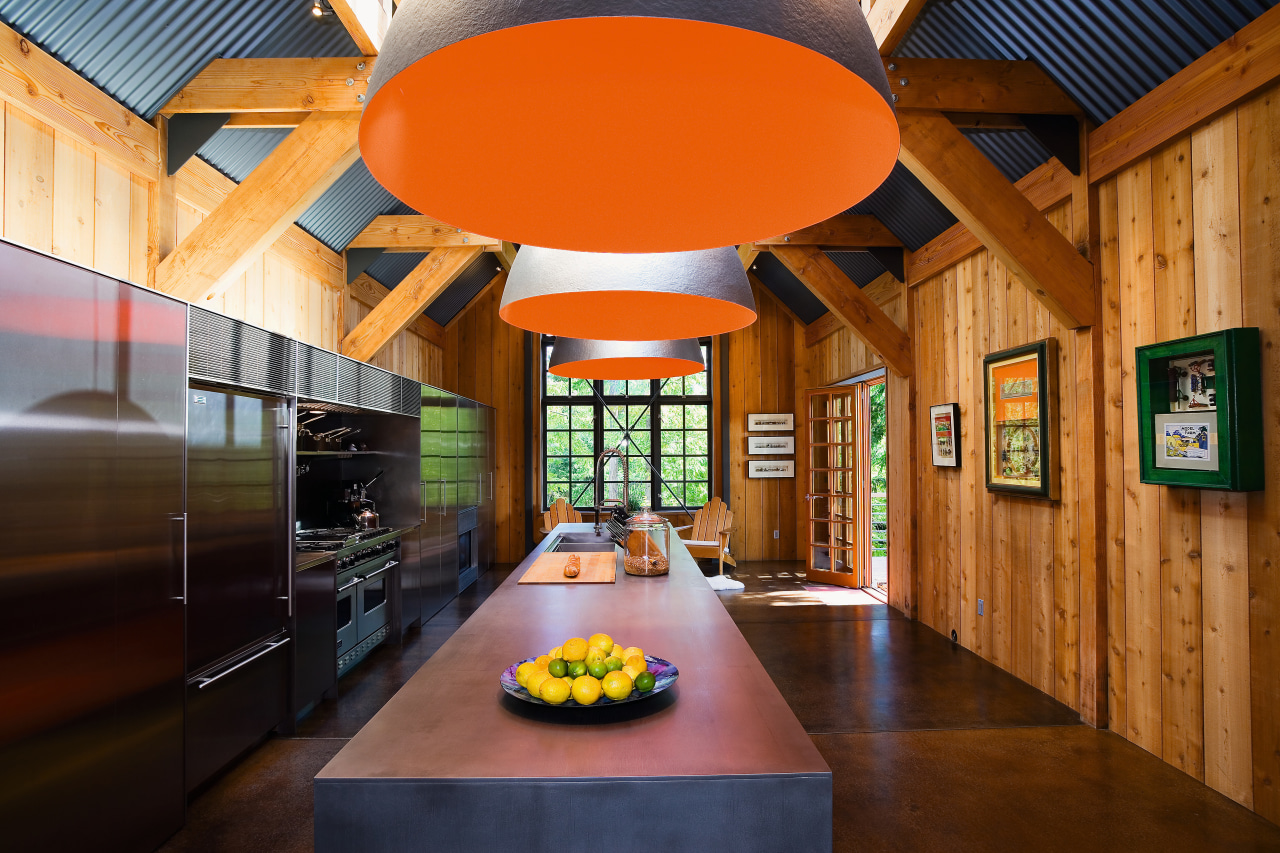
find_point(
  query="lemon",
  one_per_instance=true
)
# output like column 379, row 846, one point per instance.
column 569, row 681
column 638, row 663
column 603, row 642
column 554, row 691
column 614, row 663
column 575, row 649
column 631, row 671
column 535, row 682
column 523, row 670
column 616, row 685
column 594, row 656
column 586, row 690
column 631, row 650
column 557, row 652
column 617, row 651
column 542, row 661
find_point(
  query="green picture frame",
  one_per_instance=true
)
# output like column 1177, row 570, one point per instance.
column 1200, row 411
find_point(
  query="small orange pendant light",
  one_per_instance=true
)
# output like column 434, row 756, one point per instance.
column 608, row 297
column 625, row 124
column 579, row 359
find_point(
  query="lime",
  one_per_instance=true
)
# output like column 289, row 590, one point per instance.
column 613, row 664
column 644, row 682
column 577, row 669
column 558, row 668
column 598, row 669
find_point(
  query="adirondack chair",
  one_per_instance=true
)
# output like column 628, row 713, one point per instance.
column 708, row 536
column 559, row 511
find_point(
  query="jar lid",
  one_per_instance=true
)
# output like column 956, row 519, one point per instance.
column 645, row 518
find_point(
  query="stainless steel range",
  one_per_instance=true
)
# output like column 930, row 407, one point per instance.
column 366, row 575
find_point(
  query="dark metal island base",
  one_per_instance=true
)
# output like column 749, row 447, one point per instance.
column 451, row 763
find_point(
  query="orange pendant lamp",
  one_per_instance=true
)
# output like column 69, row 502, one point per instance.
column 579, row 359
column 608, row 297
column 625, row 125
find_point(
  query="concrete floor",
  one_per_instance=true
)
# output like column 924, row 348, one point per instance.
column 930, row 747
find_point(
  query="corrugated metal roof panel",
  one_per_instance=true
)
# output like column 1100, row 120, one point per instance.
column 790, row 290
column 141, row 52
column 465, row 287
column 861, row 267
column 1014, row 152
column 391, row 268
column 236, row 153
column 1104, row 53
column 344, row 209
column 908, row 209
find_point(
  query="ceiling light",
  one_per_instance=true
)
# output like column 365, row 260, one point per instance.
column 629, row 125
column 608, row 297
column 579, row 359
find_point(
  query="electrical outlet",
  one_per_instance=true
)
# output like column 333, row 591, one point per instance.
column 979, row 606
column 775, row 534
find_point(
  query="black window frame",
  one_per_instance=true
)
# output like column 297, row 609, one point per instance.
column 602, row 423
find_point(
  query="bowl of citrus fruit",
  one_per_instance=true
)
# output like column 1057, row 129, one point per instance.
column 589, row 673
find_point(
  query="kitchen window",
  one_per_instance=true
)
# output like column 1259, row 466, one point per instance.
column 669, row 423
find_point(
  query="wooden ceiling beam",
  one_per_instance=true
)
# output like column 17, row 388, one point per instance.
column 262, row 207
column 748, row 253
column 275, row 86
column 246, row 121
column 407, row 301
column 366, row 21
column 845, row 230
column 889, row 20
column 976, row 86
column 1233, row 70
column 371, row 293
column 847, row 301
column 964, row 180
column 416, row 233
column 883, row 289
column 506, row 255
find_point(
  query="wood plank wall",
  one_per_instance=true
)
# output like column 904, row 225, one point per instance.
column 484, row 360
column 1187, row 246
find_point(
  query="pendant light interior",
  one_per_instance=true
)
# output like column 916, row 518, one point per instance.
column 582, row 359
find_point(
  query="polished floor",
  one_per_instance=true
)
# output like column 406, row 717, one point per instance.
column 930, row 747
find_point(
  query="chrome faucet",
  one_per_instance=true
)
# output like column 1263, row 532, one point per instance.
column 626, row 482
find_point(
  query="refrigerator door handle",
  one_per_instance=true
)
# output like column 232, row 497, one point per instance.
column 178, row 553
column 202, row 683
column 444, row 494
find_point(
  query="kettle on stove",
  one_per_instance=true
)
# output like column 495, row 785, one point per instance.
column 364, row 513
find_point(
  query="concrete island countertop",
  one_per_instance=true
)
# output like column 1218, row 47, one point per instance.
column 451, row 762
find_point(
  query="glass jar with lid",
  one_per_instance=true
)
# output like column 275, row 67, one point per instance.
column 648, row 544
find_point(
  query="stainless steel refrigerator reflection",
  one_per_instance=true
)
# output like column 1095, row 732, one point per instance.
column 91, row 423
column 237, row 574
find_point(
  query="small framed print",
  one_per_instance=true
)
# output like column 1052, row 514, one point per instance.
column 1021, row 406
column 944, row 434
column 770, row 444
column 765, row 423
column 764, row 468
column 1200, row 411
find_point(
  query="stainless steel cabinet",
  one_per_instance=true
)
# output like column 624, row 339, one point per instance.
column 410, row 579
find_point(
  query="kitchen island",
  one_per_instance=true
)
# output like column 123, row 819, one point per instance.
column 717, row 762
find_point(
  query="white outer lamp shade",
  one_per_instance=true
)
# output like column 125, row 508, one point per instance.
column 579, row 359
column 607, row 297
column 623, row 120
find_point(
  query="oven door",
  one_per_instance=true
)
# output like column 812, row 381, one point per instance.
column 373, row 604
column 348, row 612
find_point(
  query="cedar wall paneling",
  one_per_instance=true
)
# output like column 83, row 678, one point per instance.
column 484, row 360
column 1193, row 577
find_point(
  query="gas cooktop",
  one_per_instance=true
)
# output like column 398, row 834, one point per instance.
column 335, row 538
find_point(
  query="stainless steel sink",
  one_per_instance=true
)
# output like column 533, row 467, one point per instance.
column 582, row 546
column 586, row 541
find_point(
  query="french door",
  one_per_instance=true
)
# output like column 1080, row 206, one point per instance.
column 839, row 495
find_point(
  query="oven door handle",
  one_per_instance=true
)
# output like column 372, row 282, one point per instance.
column 202, row 683
column 355, row 581
column 373, row 575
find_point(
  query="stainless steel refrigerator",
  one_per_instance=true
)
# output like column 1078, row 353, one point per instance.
column 91, row 428
column 238, row 573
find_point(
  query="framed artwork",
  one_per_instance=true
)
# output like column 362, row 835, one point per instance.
column 1021, row 396
column 774, row 444
column 1200, row 411
column 763, row 423
column 944, row 434
column 764, row 468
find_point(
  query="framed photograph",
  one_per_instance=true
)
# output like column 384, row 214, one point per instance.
column 764, row 468
column 944, row 434
column 770, row 444
column 1021, row 406
column 764, row 423
column 1200, row 411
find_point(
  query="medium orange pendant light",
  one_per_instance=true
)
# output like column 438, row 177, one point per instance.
column 621, row 297
column 579, row 359
column 625, row 125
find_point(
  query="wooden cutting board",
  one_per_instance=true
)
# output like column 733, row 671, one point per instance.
column 597, row 567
